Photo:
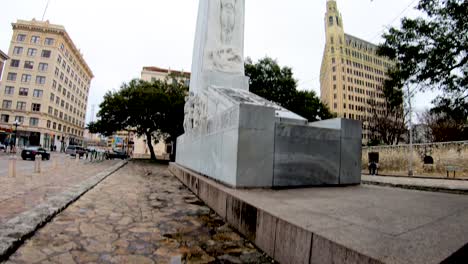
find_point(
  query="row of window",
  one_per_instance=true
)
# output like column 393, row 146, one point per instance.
column 38, row 93
column 10, row 90
column 35, row 39
column 33, row 121
column 32, row 52
column 21, row 106
column 25, row 78
column 71, row 97
column 43, row 67
column 64, row 116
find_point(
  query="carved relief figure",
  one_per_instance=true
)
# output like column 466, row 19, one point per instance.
column 228, row 20
column 228, row 57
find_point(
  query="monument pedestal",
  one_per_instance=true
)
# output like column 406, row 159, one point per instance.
column 250, row 142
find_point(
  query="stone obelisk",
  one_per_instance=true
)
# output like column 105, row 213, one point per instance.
column 218, row 55
column 243, row 140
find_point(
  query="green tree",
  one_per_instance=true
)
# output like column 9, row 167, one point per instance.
column 275, row 83
column 431, row 53
column 154, row 110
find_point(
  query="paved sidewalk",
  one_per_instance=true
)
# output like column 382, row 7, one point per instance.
column 28, row 189
column 141, row 214
column 452, row 186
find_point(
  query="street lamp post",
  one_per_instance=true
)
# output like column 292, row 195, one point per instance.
column 16, row 124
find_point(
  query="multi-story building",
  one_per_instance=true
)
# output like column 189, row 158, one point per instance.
column 151, row 74
column 3, row 58
column 352, row 74
column 46, row 85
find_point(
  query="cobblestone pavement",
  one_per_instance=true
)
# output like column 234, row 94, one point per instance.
column 140, row 214
column 29, row 189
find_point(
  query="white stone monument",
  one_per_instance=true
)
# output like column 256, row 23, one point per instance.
column 241, row 139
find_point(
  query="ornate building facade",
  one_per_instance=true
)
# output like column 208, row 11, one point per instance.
column 352, row 74
column 45, row 86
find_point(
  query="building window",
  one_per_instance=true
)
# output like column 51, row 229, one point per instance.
column 46, row 54
column 62, row 46
column 11, row 76
column 49, row 41
column 14, row 63
column 19, row 119
column 62, row 103
column 43, row 66
column 33, row 121
column 4, row 118
column 50, row 110
column 29, row 65
column 330, row 21
column 52, row 97
column 54, row 84
column 335, row 106
column 23, row 91
column 48, row 123
column 21, row 37
column 37, row 93
column 17, row 50
column 9, row 90
column 35, row 39
column 40, row 79
column 32, row 52
column 21, row 106
column 6, row 104
column 36, row 107
column 59, row 127
column 26, row 78
column 54, row 125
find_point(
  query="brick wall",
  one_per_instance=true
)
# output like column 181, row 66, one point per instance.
column 395, row 159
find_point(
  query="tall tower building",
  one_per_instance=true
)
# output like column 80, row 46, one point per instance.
column 45, row 87
column 352, row 74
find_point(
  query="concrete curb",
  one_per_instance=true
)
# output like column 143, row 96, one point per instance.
column 15, row 231
column 418, row 187
column 283, row 241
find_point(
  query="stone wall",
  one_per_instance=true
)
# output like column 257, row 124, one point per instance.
column 393, row 160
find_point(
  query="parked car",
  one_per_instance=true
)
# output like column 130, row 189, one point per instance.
column 117, row 154
column 2, row 147
column 31, row 152
column 72, row 150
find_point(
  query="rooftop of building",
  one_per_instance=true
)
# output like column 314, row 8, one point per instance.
column 3, row 55
column 47, row 27
column 166, row 71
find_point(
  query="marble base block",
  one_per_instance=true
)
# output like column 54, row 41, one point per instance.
column 248, row 145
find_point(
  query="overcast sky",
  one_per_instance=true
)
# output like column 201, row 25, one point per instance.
column 119, row 37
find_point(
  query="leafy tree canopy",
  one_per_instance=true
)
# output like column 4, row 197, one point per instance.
column 432, row 50
column 275, row 83
column 151, row 109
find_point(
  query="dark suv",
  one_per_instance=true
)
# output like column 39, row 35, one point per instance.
column 31, row 152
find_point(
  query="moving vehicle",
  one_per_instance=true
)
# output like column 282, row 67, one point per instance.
column 117, row 154
column 31, row 152
column 72, row 150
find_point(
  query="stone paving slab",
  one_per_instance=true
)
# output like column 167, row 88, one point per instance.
column 424, row 184
column 28, row 189
column 355, row 224
column 19, row 228
column 140, row 214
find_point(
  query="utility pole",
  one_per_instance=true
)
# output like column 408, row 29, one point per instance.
column 410, row 160
column 45, row 10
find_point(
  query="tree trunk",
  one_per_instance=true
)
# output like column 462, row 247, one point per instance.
column 150, row 145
